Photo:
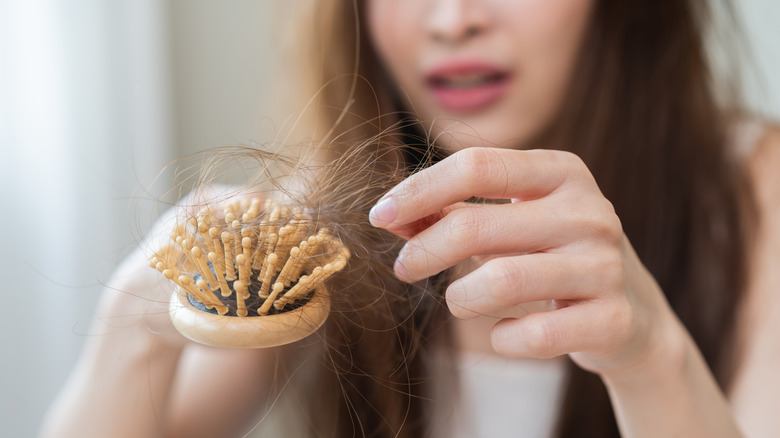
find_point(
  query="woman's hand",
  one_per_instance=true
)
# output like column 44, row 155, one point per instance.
column 123, row 384
column 139, row 295
column 559, row 239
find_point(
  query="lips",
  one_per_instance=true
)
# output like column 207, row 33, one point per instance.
column 467, row 87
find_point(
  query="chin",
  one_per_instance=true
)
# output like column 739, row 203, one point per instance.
column 456, row 135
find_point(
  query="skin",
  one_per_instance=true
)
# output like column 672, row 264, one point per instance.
column 559, row 239
column 535, row 40
column 138, row 376
column 543, row 246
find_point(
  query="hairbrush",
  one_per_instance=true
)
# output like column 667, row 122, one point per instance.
column 250, row 276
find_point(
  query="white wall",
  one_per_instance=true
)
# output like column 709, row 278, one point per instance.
column 761, row 19
column 84, row 127
column 223, row 65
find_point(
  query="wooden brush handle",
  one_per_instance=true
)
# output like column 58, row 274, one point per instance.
column 249, row 332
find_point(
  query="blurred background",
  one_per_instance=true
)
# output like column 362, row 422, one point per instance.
column 96, row 98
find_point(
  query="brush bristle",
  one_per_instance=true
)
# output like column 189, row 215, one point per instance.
column 253, row 259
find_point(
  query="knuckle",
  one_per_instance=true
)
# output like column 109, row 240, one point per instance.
column 414, row 189
column 508, row 278
column 476, row 165
column 612, row 228
column 417, row 259
column 622, row 326
column 464, row 226
column 573, row 166
column 540, row 338
column 569, row 160
column 610, row 265
column 599, row 220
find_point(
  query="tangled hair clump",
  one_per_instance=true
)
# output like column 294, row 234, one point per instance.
column 369, row 361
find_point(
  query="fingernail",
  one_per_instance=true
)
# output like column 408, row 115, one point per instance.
column 383, row 213
column 400, row 269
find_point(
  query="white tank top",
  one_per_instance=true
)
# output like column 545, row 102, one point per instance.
column 484, row 395
column 499, row 397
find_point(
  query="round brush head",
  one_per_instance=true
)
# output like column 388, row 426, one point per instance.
column 250, row 277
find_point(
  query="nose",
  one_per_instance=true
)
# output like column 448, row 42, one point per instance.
column 457, row 21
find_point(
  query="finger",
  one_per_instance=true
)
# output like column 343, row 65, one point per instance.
column 593, row 327
column 483, row 172
column 411, row 229
column 505, row 282
column 467, row 231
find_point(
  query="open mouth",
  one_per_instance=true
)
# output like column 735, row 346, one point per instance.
column 467, row 87
column 467, row 81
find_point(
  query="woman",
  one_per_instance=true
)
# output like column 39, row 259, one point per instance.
column 625, row 230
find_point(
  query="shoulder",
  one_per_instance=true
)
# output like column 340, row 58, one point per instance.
column 762, row 167
column 761, row 301
column 756, row 389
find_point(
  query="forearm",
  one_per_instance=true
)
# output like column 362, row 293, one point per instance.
column 119, row 388
column 671, row 394
column 121, row 383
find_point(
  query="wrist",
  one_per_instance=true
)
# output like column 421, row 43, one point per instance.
column 666, row 352
column 135, row 306
column 669, row 391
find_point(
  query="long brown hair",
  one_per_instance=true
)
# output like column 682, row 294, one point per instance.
column 642, row 113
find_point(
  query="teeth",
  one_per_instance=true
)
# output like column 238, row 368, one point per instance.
column 466, row 81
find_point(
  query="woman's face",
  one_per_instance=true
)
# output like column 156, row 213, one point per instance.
column 485, row 72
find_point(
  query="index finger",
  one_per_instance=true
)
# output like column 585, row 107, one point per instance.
column 484, row 172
